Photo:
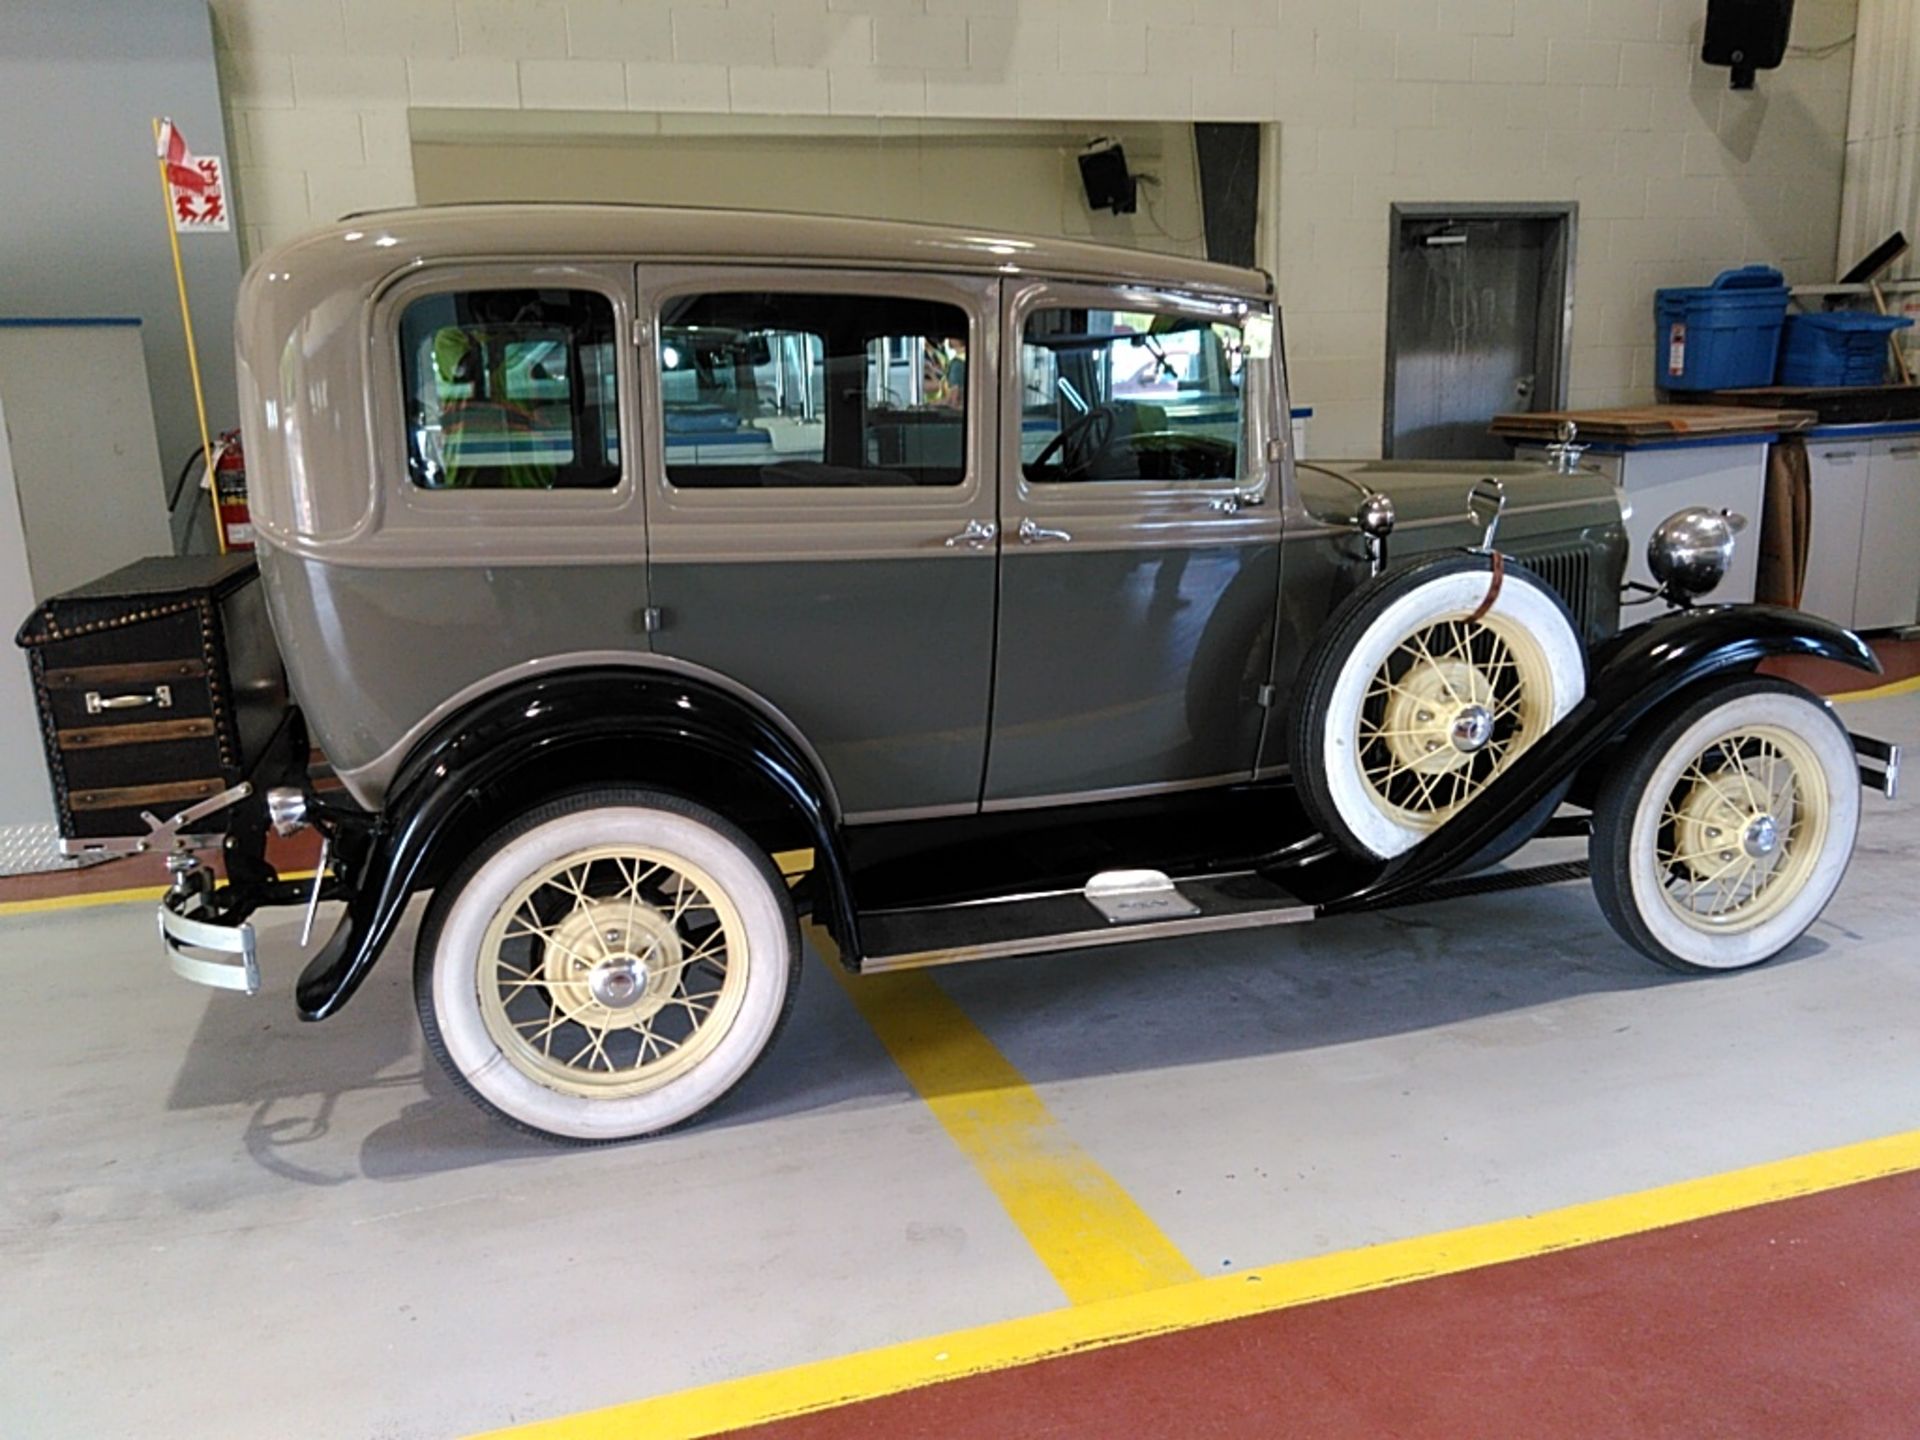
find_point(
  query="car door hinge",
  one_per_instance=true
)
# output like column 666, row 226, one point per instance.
column 1276, row 450
column 1263, row 697
column 652, row 618
column 640, row 331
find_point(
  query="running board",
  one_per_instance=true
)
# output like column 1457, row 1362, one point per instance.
column 1121, row 907
column 1115, row 908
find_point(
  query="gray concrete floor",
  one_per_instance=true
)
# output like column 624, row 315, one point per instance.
column 217, row 1221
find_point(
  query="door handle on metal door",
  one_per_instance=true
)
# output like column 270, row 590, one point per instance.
column 977, row 536
column 1031, row 533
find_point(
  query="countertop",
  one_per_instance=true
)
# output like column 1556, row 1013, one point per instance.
column 1636, row 426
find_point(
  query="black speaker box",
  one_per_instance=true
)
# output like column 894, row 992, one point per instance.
column 1746, row 35
column 1109, row 185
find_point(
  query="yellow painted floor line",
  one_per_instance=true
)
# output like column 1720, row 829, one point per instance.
column 1879, row 692
column 756, row 1399
column 105, row 897
column 1087, row 1230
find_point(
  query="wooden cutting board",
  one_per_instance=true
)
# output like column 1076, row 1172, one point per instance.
column 1652, row 422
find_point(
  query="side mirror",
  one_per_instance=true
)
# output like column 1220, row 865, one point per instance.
column 1486, row 503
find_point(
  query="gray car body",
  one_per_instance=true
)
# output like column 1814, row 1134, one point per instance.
column 1151, row 652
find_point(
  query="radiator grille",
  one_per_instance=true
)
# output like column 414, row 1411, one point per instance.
column 1568, row 569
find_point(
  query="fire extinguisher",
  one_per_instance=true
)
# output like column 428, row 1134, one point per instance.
column 229, row 472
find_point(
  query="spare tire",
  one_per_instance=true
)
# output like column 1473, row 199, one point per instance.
column 1417, row 693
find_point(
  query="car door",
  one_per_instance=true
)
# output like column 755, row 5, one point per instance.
column 1140, row 542
column 821, row 511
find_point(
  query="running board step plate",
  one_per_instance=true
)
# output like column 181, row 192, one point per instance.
column 1115, row 909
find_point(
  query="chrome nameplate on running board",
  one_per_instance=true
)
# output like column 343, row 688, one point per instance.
column 1129, row 897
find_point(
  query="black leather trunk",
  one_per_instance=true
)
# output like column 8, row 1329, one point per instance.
column 159, row 685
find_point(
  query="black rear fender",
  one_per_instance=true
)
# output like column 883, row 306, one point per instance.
column 1630, row 675
column 529, row 742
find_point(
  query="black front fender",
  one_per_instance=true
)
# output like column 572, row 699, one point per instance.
column 544, row 736
column 1630, row 674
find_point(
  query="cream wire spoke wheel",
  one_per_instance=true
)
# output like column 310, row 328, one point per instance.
column 1448, row 710
column 1741, row 830
column 1424, row 687
column 1725, row 836
column 608, row 965
column 607, row 972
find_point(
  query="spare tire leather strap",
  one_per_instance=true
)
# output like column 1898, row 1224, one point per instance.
column 1493, row 590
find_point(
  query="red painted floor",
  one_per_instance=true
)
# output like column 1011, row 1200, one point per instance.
column 1799, row 1319
column 299, row 852
column 1899, row 660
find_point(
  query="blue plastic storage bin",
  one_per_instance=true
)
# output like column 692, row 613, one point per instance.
column 1840, row 347
column 1719, row 336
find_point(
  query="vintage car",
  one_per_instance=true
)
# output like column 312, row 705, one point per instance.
column 613, row 551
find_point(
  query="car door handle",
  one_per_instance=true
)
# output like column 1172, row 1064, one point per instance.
column 1032, row 534
column 977, row 536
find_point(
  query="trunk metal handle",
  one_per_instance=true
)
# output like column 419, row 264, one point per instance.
column 160, row 696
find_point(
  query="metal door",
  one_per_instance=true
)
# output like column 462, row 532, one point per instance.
column 1137, row 600
column 1477, row 310
column 860, row 606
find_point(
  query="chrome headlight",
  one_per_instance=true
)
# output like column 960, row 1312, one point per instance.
column 1691, row 550
column 1375, row 516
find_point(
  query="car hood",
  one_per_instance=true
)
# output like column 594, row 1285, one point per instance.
column 1437, row 489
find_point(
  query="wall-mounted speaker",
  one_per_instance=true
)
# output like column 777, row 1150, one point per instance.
column 1108, row 182
column 1746, row 35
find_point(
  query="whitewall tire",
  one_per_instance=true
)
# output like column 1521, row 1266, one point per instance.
column 1722, row 840
column 1417, row 695
column 607, row 966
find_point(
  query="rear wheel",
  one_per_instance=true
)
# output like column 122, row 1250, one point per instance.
column 607, row 966
column 1725, row 837
column 1418, row 694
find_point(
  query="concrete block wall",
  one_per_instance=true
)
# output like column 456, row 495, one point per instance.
column 1599, row 101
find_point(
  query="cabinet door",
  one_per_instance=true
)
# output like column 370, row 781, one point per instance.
column 1839, row 477
column 1888, row 591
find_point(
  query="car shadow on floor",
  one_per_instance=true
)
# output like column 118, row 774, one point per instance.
column 1328, row 983
column 1125, row 1009
column 297, row 1078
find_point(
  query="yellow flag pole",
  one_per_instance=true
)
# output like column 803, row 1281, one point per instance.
column 193, row 350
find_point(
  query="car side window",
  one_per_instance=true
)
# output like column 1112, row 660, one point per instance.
column 511, row 389
column 1132, row 396
column 763, row 389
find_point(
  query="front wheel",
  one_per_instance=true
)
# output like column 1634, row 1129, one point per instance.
column 607, row 966
column 1722, row 840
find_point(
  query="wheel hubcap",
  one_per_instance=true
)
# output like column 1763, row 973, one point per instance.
column 1472, row 728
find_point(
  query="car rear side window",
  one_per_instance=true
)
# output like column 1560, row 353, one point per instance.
column 511, row 389
column 770, row 390
column 1118, row 395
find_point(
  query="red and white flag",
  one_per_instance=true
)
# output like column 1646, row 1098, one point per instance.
column 196, row 184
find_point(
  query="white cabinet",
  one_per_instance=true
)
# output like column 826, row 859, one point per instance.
column 1658, row 479
column 1838, row 474
column 1863, row 555
column 1888, row 592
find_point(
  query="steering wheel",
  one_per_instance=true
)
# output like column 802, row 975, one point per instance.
column 1082, row 443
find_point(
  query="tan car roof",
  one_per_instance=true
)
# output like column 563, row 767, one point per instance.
column 673, row 233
